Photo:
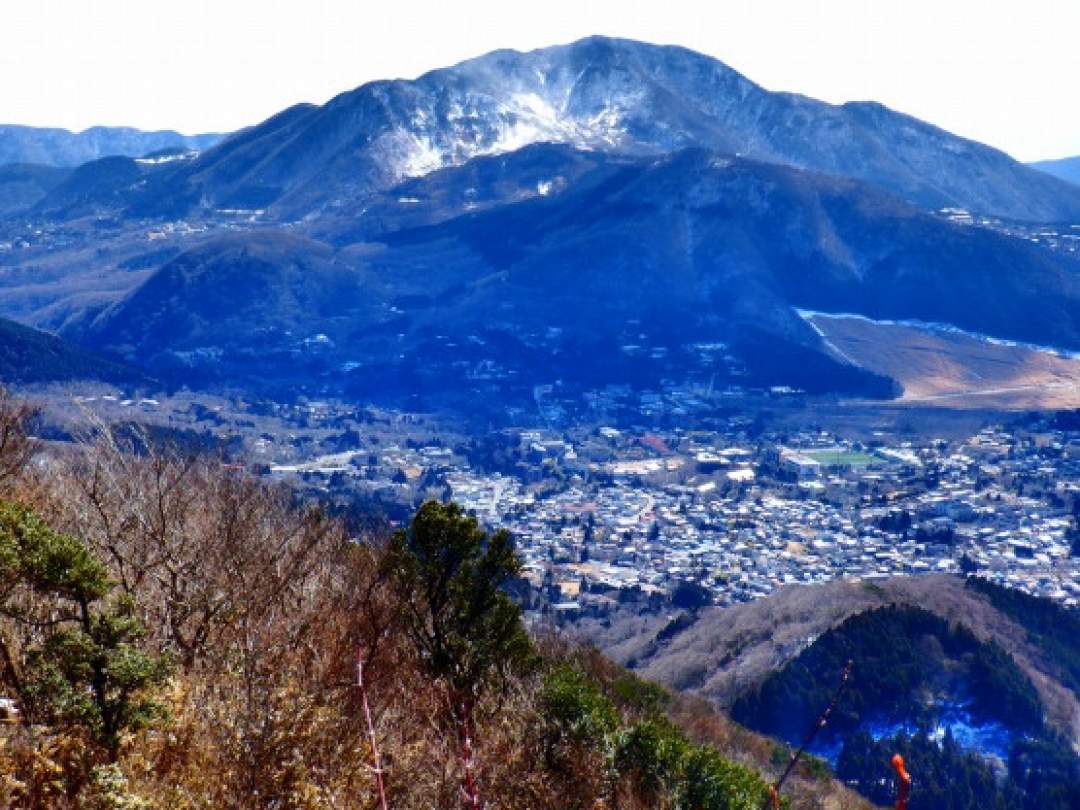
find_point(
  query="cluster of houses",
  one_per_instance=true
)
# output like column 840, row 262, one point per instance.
column 604, row 514
column 744, row 520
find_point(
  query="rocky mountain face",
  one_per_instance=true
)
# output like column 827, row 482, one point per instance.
column 603, row 94
column 61, row 147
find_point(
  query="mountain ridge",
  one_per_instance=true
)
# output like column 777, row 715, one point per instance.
column 606, row 93
column 31, row 356
column 1067, row 168
column 724, row 653
column 548, row 238
column 55, row 146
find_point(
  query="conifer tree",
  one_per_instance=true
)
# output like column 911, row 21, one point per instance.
column 69, row 651
column 449, row 575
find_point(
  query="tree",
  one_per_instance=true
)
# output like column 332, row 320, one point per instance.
column 206, row 553
column 654, row 532
column 69, row 651
column 689, row 595
column 578, row 731
column 449, row 575
column 653, row 753
column 16, row 445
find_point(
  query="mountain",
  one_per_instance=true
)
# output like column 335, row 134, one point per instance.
column 61, row 147
column 24, row 185
column 245, row 304
column 604, row 94
column 1065, row 168
column 553, row 263
column 30, row 356
column 605, row 211
column 725, row 653
column 106, row 181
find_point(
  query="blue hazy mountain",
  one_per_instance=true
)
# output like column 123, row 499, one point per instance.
column 31, row 356
column 61, row 147
column 24, row 185
column 1067, row 169
column 604, row 94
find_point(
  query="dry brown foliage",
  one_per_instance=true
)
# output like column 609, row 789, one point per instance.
column 17, row 447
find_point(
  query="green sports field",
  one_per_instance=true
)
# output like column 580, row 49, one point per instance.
column 843, row 458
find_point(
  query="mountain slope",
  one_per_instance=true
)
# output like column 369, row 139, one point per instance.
column 726, row 652
column 24, row 185
column 717, row 240
column 30, row 356
column 552, row 263
column 976, row 684
column 1067, row 169
column 61, row 147
column 945, row 365
column 600, row 93
column 918, row 678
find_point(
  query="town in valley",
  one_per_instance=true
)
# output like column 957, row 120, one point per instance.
column 609, row 515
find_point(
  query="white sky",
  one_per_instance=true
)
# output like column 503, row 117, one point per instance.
column 1003, row 72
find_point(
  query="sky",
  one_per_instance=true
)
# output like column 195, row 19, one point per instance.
column 1000, row 72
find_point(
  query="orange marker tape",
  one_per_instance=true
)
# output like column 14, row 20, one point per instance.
column 904, row 787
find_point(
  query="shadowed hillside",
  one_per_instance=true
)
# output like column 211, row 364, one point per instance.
column 474, row 267
column 30, row 356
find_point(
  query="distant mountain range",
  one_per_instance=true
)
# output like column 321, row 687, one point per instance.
column 60, row 147
column 1065, row 168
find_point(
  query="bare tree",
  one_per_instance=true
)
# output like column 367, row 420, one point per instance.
column 205, row 551
column 17, row 447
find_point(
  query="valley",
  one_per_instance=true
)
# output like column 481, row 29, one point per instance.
column 631, row 494
column 670, row 375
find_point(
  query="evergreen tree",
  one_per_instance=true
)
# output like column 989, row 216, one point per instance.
column 69, row 651
column 468, row 633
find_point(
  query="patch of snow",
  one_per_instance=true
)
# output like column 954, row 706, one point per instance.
column 153, row 161
column 422, row 158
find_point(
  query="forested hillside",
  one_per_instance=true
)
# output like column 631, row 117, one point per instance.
column 919, row 682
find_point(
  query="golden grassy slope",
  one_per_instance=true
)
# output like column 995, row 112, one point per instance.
column 955, row 370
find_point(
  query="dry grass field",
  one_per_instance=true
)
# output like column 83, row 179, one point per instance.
column 955, row 370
